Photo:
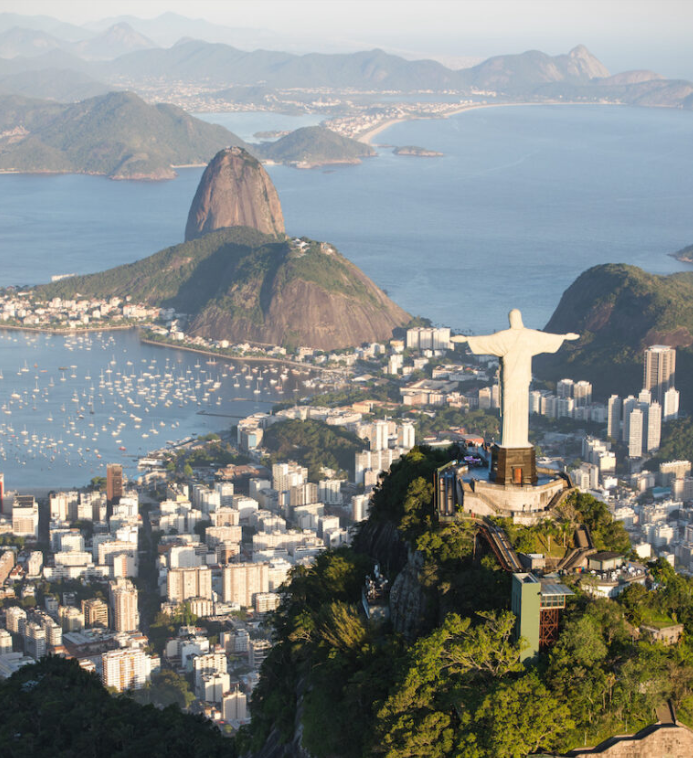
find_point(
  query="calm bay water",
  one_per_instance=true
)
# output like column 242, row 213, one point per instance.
column 524, row 200
column 69, row 405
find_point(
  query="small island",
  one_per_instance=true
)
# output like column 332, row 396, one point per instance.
column 312, row 147
column 419, row 152
column 685, row 255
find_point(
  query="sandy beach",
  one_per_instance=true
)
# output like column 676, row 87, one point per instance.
column 368, row 135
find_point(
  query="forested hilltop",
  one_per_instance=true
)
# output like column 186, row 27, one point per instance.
column 315, row 146
column 619, row 310
column 239, row 285
column 443, row 676
column 117, row 135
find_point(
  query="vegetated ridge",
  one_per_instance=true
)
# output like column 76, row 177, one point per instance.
column 59, row 85
column 240, row 285
column 312, row 146
column 619, row 310
column 235, row 190
column 313, row 444
column 117, row 134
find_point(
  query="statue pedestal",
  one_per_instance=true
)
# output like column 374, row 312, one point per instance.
column 513, row 465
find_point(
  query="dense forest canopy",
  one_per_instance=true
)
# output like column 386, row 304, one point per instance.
column 458, row 688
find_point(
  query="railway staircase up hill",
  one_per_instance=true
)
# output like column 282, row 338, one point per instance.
column 584, row 546
column 499, row 542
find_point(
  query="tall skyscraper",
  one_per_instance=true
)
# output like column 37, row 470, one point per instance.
column 645, row 396
column 613, row 424
column 628, row 405
column 185, row 583
column 241, row 581
column 564, row 388
column 671, row 405
column 636, row 422
column 25, row 516
column 124, row 606
column 378, row 435
column 114, row 483
column 582, row 393
column 95, row 612
column 660, row 370
column 654, row 427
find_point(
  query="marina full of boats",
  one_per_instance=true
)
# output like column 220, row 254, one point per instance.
column 70, row 404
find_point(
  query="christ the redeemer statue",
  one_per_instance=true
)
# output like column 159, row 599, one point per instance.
column 515, row 347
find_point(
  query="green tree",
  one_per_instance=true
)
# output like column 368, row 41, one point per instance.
column 446, row 673
column 607, row 534
column 522, row 716
column 581, row 644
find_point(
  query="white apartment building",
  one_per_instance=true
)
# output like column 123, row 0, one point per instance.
column 126, row 617
column 185, row 583
column 125, row 669
column 241, row 581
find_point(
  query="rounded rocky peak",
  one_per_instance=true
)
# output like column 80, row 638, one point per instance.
column 235, row 190
column 587, row 64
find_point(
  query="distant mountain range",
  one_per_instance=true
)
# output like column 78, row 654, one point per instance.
column 59, row 85
column 533, row 76
column 126, row 50
column 111, row 43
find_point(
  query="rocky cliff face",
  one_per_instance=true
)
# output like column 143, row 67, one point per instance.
column 298, row 294
column 581, row 63
column 235, row 190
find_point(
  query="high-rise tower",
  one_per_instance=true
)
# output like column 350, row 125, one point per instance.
column 660, row 370
column 114, row 483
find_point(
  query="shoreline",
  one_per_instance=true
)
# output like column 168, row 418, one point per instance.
column 147, row 341
column 367, row 136
column 239, row 358
column 76, row 330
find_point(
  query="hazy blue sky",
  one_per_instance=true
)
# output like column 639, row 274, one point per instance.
column 624, row 34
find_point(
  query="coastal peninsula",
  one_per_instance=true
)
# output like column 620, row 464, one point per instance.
column 685, row 255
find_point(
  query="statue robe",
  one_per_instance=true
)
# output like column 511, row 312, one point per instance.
column 515, row 347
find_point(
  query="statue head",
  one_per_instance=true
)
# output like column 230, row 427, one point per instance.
column 515, row 318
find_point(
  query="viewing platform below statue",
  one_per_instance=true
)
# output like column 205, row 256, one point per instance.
column 461, row 487
column 524, row 504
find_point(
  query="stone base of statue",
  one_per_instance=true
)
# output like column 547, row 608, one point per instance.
column 513, row 465
column 514, row 487
column 523, row 504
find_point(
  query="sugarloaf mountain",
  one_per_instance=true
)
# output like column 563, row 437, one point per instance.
column 239, row 278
